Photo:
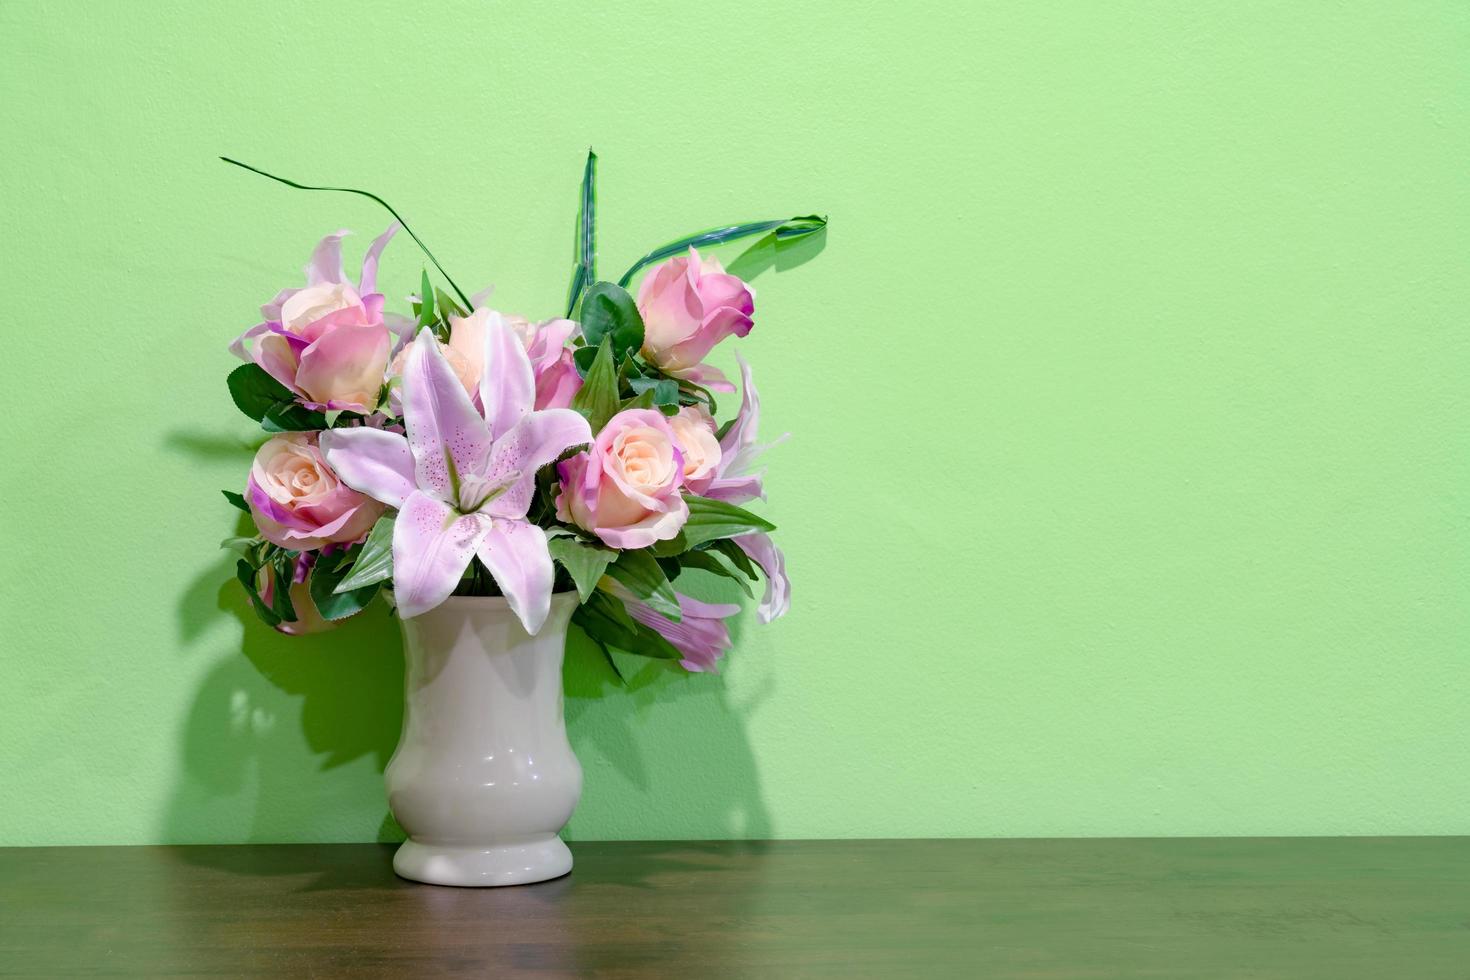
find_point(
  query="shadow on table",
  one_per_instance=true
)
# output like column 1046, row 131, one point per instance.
column 287, row 737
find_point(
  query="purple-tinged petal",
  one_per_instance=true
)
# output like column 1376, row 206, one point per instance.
column 277, row 354
column 371, row 461
column 432, row 546
column 507, row 384
column 368, row 282
column 538, row 439
column 700, row 634
column 736, row 490
column 516, row 554
column 237, row 346
column 401, row 327
column 272, row 310
column 763, row 551
column 441, row 421
column 263, row 506
column 326, row 260
column 743, row 433
column 704, row 375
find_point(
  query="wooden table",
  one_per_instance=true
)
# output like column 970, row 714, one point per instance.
column 1385, row 908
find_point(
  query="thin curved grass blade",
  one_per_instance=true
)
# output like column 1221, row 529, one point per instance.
column 372, row 197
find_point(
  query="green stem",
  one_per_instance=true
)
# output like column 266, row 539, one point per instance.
column 373, row 197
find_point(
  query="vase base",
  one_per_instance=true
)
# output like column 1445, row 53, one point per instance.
column 472, row 866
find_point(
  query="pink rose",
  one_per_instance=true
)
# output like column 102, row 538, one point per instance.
column 626, row 489
column 694, row 433
column 689, row 304
column 297, row 500
column 327, row 342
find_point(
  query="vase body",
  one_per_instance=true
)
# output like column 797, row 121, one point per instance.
column 484, row 777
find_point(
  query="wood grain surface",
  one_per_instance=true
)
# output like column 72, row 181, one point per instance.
column 1386, row 908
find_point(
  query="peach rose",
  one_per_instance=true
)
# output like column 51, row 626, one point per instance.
column 626, row 489
column 694, row 431
column 297, row 500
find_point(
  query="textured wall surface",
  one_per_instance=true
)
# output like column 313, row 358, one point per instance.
column 1127, row 491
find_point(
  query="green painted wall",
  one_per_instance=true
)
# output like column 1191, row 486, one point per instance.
column 1128, row 485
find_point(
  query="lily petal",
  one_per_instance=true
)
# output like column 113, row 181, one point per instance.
column 441, row 421
column 763, row 551
column 432, row 546
column 516, row 554
column 371, row 461
column 507, row 384
column 537, row 440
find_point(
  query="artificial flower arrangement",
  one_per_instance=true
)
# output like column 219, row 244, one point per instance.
column 462, row 451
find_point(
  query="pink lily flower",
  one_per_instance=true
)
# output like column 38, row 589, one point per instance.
column 462, row 483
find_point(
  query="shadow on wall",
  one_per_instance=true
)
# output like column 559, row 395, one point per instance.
column 287, row 737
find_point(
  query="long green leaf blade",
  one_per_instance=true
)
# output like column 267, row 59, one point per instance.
column 782, row 228
column 372, row 197
column 585, row 271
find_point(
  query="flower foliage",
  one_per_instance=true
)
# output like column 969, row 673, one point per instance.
column 454, row 449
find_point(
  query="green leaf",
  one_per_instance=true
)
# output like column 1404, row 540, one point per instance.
column 375, row 562
column 712, row 519
column 676, row 545
column 644, row 400
column 246, row 575
column 283, row 567
column 784, row 248
column 586, row 267
column 609, row 311
column 331, row 600
column 427, row 315
column 291, row 417
column 604, row 619
column 239, row 545
column 447, row 305
column 639, row 572
column 665, row 390
column 706, row 561
column 255, row 392
column 236, row 500
column 584, row 561
column 583, row 357
column 597, row 399
column 370, row 196
column 735, row 555
column 786, row 228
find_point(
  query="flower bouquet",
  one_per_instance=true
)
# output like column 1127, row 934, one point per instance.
column 454, row 452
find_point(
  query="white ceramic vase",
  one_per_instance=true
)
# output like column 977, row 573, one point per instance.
column 483, row 778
